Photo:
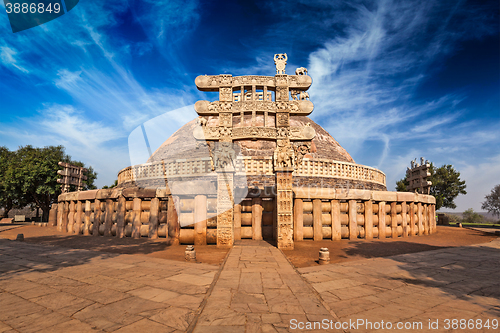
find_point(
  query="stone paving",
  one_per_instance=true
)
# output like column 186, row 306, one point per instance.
column 453, row 283
column 53, row 289
column 259, row 291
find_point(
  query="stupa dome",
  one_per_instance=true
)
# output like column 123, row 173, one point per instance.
column 183, row 145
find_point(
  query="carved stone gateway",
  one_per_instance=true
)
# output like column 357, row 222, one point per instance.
column 247, row 96
column 251, row 166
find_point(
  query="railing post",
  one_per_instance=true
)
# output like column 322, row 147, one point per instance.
column 173, row 220
column 353, row 221
column 317, row 220
column 404, row 223
column 381, row 220
column 154, row 210
column 200, row 219
column 86, row 225
column 120, row 216
column 298, row 217
column 237, row 221
column 136, row 225
column 78, row 222
column 108, row 217
column 257, row 218
column 71, row 217
column 394, row 220
column 368, row 220
column 336, row 224
column 419, row 219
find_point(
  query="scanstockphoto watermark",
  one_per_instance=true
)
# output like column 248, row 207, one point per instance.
column 364, row 324
column 358, row 324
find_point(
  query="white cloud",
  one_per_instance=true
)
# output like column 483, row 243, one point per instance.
column 480, row 179
column 8, row 57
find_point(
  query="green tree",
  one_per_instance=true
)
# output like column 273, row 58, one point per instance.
column 492, row 203
column 402, row 185
column 31, row 176
column 472, row 217
column 115, row 184
column 7, row 198
column 446, row 185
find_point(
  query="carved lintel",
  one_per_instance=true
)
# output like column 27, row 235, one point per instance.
column 212, row 82
column 211, row 133
column 294, row 107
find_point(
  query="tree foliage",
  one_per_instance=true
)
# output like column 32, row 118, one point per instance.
column 402, row 185
column 7, row 198
column 492, row 202
column 115, row 184
column 28, row 176
column 472, row 217
column 446, row 185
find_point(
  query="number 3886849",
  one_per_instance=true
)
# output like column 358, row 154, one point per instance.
column 25, row 8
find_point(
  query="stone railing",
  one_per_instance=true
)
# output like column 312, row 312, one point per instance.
column 319, row 214
column 246, row 165
column 335, row 214
column 335, row 169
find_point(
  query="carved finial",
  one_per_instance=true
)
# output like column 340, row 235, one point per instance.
column 280, row 62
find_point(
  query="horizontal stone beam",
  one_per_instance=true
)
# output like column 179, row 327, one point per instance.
column 303, row 133
column 214, row 82
column 299, row 108
column 344, row 194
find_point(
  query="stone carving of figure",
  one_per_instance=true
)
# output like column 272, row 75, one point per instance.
column 280, row 62
column 304, row 95
column 300, row 151
column 223, row 156
column 201, row 121
column 301, row 71
column 283, row 155
column 282, row 132
column 225, row 131
column 294, row 94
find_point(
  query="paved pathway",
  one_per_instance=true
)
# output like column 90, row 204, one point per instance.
column 52, row 289
column 259, row 291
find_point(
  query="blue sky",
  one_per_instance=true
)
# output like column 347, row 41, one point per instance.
column 392, row 80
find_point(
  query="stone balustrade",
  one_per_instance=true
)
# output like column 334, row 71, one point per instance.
column 251, row 166
column 318, row 213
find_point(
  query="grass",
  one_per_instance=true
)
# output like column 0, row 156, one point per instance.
column 468, row 224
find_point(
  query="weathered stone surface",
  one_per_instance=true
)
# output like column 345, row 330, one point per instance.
column 139, row 193
column 87, row 195
column 384, row 196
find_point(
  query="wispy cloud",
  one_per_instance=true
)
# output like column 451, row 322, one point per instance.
column 9, row 59
column 107, row 67
column 84, row 62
